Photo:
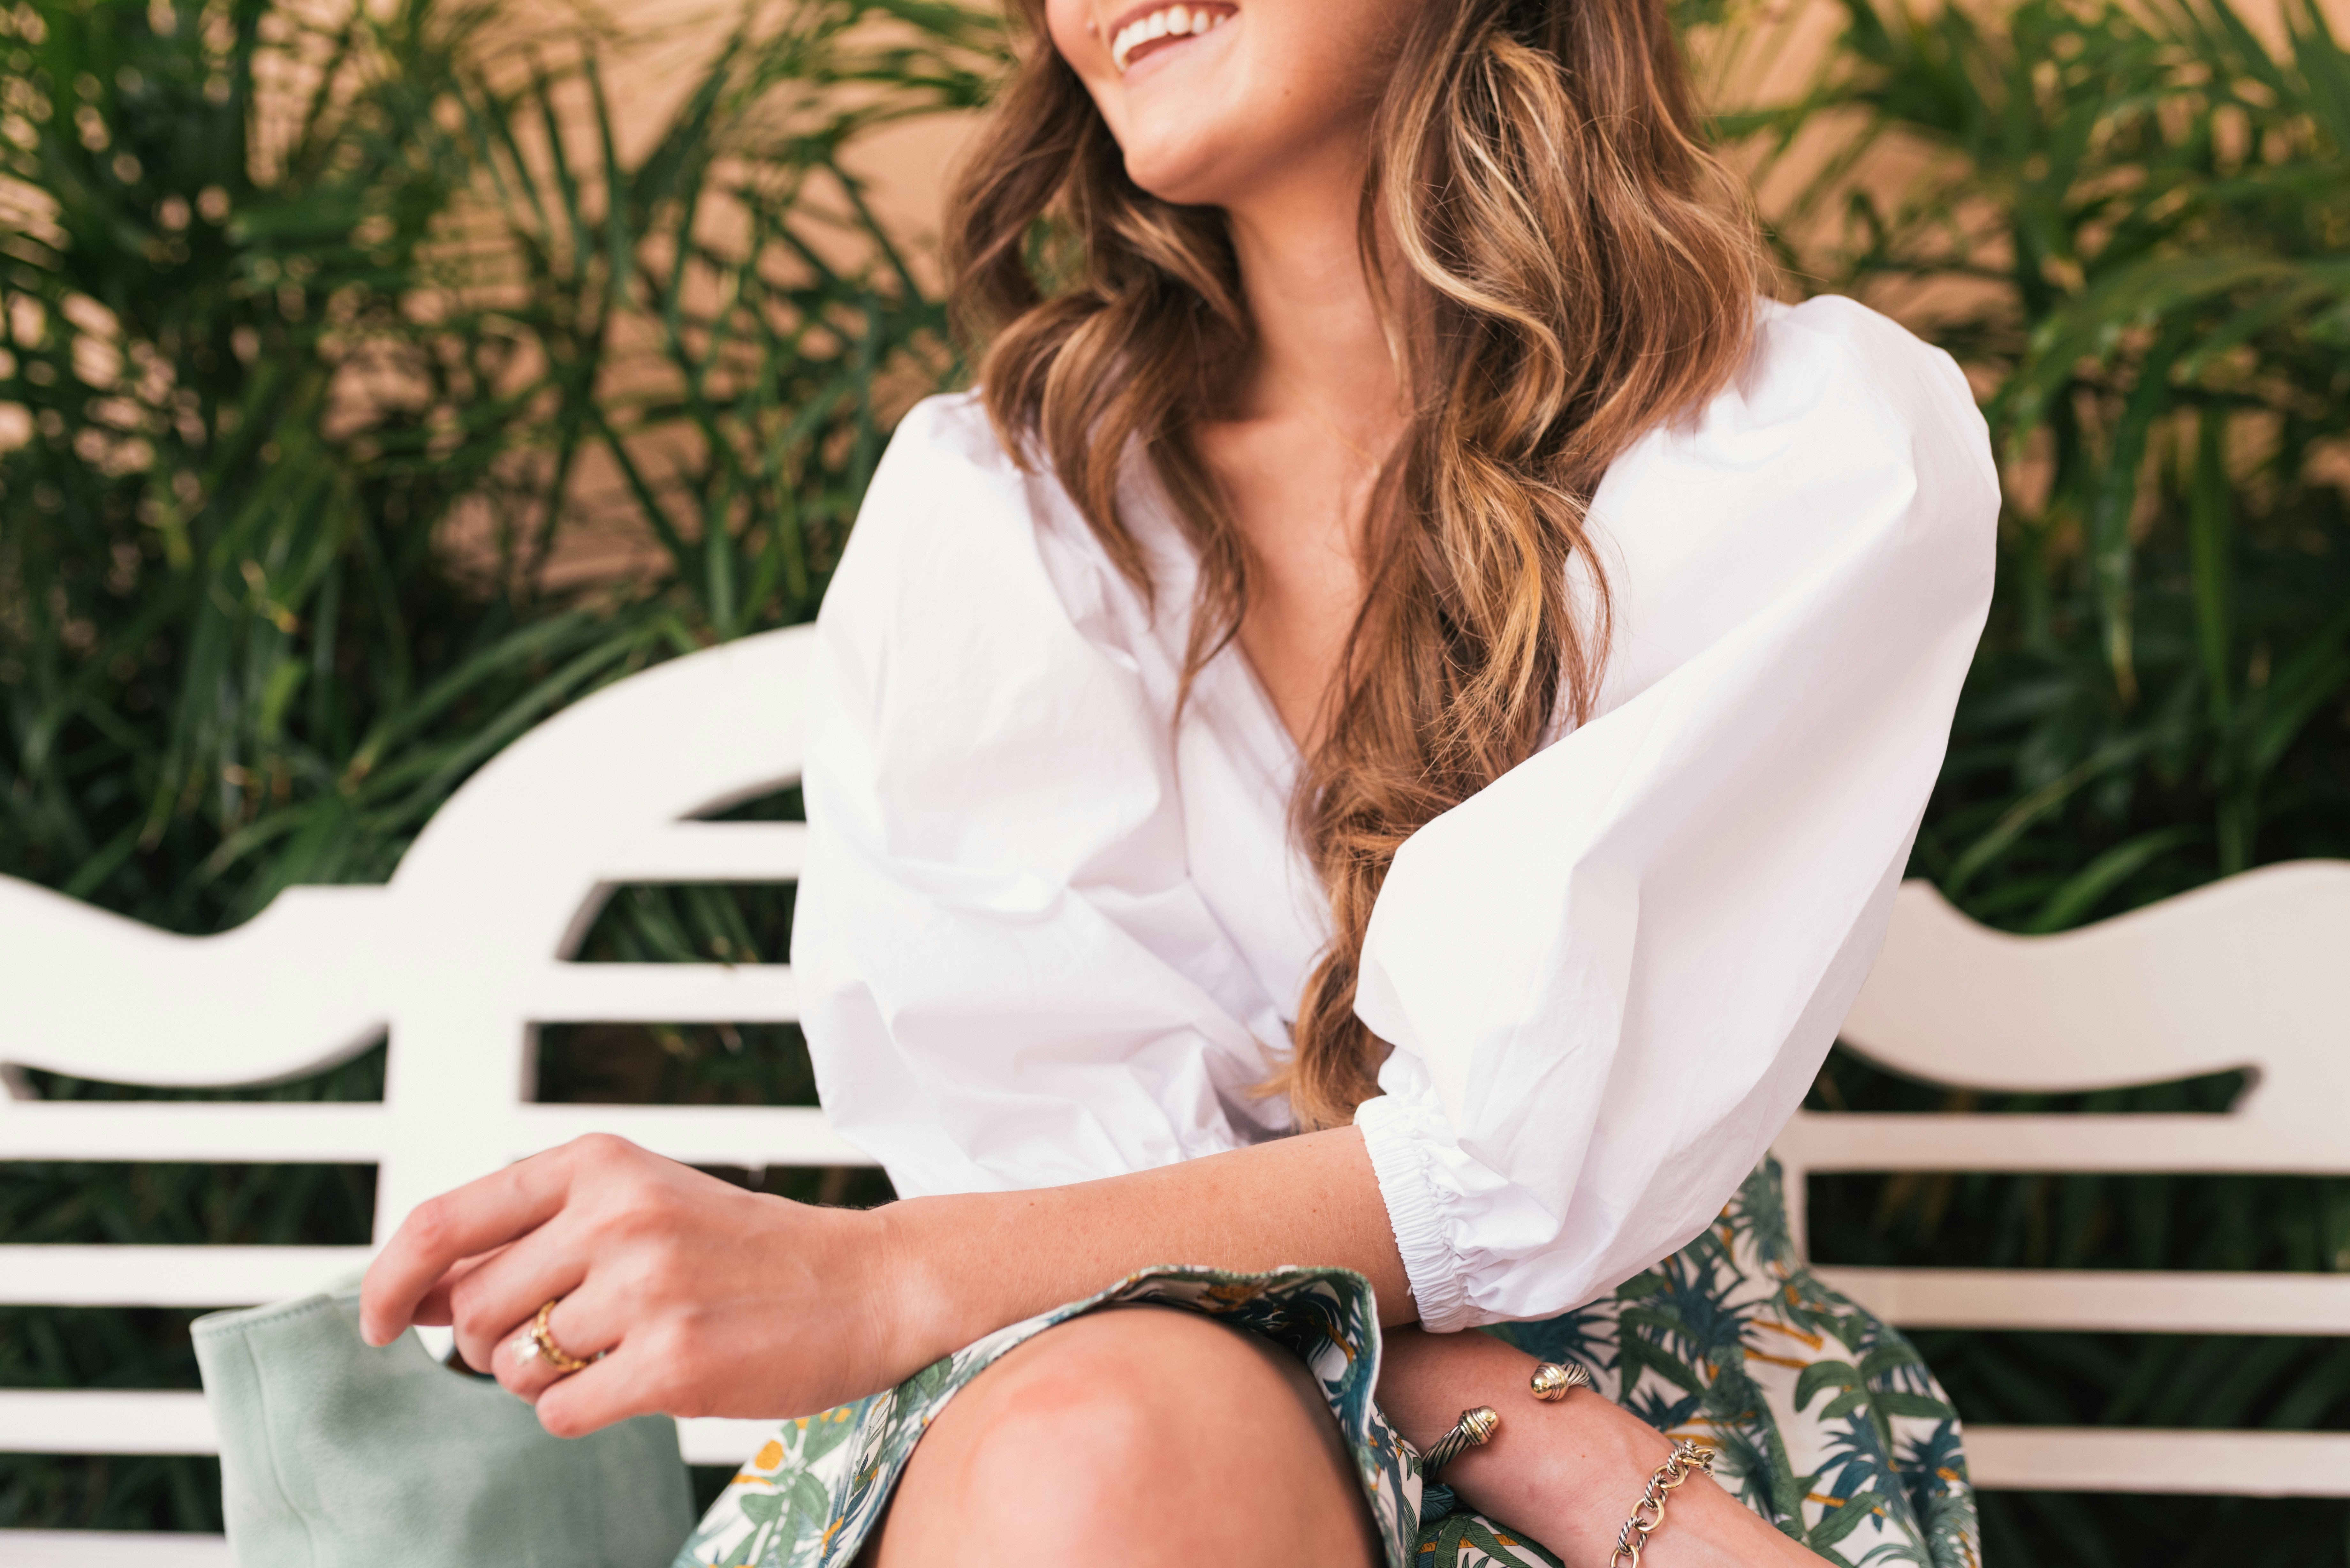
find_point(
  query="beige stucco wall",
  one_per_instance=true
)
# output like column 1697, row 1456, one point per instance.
column 654, row 56
column 656, row 50
column 1779, row 48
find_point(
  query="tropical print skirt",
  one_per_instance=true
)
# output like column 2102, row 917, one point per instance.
column 1823, row 1418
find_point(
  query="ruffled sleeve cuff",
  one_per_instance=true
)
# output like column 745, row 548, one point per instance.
column 1400, row 1158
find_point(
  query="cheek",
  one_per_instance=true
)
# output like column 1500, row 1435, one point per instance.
column 1068, row 26
column 1064, row 24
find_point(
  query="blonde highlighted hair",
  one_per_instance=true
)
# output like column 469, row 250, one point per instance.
column 1580, row 270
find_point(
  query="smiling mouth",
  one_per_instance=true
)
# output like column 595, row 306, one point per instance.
column 1146, row 31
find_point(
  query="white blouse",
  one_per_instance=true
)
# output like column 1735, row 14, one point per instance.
column 1048, row 934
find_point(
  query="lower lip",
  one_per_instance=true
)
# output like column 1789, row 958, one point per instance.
column 1177, row 50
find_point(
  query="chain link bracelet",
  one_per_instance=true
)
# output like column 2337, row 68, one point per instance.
column 1649, row 1512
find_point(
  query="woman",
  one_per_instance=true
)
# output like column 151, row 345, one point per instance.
column 1383, row 737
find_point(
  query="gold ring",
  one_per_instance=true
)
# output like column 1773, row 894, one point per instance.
column 537, row 1342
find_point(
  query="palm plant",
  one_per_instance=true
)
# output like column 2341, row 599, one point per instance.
column 2134, row 230
column 261, row 372
column 2129, row 226
column 317, row 337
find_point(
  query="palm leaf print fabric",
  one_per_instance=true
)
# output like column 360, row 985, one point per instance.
column 1824, row 1419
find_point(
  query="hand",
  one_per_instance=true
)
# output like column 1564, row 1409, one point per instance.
column 705, row 1300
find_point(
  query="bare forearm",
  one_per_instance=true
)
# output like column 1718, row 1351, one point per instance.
column 712, row 1301
column 969, row 1265
column 1567, row 1473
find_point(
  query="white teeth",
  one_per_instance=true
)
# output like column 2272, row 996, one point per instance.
column 1176, row 21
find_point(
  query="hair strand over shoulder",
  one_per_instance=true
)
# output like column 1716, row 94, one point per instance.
column 1580, row 269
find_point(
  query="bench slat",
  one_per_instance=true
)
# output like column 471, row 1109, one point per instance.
column 40, row 1275
column 716, row 1440
column 2153, row 1459
column 104, row 1421
column 710, row 852
column 662, row 994
column 2161, row 1144
column 700, row 1135
column 2001, row 1458
column 2123, row 1301
column 327, row 1132
column 112, row 1548
column 358, row 1134
column 176, row 1421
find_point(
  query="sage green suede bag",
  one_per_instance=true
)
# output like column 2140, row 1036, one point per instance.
column 337, row 1454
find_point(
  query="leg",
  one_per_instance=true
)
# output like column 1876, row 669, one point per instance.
column 1141, row 1436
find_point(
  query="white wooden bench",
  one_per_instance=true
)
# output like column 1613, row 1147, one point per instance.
column 2251, row 972
column 464, row 954
column 458, row 959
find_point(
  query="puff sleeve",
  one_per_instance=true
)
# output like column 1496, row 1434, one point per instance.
column 1008, row 979
column 1609, row 977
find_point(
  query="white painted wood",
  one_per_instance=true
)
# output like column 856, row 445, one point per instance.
column 2116, row 1300
column 2249, row 971
column 464, row 952
column 710, row 852
column 268, row 1133
column 2246, row 974
column 2179, row 1144
column 111, row 1549
column 2153, row 1459
column 705, row 1135
column 104, row 1421
column 364, row 1135
column 665, row 993
column 458, row 959
column 78, row 1422
column 170, row 1276
column 714, row 1441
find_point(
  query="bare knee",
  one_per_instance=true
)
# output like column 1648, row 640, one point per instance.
column 1077, row 1455
column 1138, row 1434
column 1103, row 1411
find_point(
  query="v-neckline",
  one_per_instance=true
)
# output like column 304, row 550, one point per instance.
column 1283, row 757
column 1286, row 742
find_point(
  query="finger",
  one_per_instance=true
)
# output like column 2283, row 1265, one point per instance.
column 435, row 1307
column 583, row 1327
column 639, row 1378
column 487, row 1304
column 475, row 1218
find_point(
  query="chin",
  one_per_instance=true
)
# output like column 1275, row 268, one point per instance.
column 1181, row 175
column 1219, row 102
column 1211, row 154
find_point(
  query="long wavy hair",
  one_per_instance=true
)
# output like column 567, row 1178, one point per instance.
column 1580, row 269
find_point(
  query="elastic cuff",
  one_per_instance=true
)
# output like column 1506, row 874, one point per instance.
column 1402, row 1169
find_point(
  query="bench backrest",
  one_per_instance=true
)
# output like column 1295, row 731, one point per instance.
column 2251, row 972
column 458, row 959
column 464, row 953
